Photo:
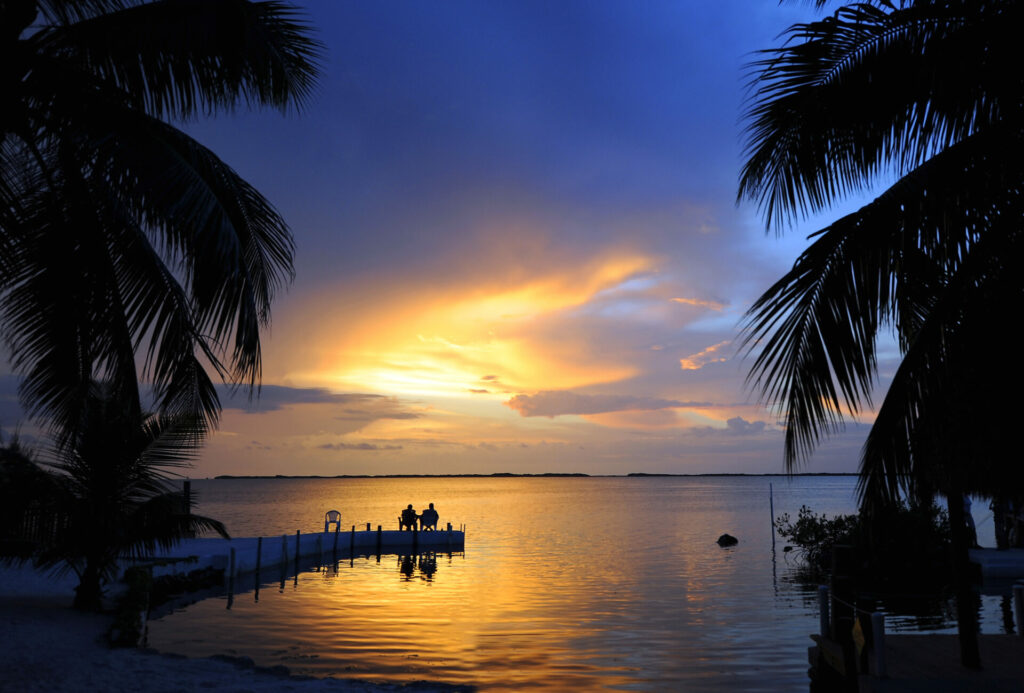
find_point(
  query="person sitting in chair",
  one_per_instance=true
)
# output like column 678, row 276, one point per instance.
column 408, row 518
column 428, row 520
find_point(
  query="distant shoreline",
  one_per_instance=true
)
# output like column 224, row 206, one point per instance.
column 501, row 475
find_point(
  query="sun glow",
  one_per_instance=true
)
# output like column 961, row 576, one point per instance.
column 482, row 341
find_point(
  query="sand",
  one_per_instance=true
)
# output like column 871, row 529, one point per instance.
column 45, row 645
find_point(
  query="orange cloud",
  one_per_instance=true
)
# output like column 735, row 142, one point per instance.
column 700, row 359
column 447, row 340
column 713, row 305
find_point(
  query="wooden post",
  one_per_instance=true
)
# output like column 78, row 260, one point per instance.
column 379, row 537
column 186, row 493
column 284, row 553
column 367, row 526
column 771, row 510
column 297, row 552
column 878, row 636
column 256, row 577
column 415, row 540
column 823, row 626
column 842, row 612
column 231, row 578
column 352, row 542
column 319, row 550
column 1018, row 608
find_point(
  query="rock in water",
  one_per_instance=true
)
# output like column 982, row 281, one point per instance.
column 728, row 540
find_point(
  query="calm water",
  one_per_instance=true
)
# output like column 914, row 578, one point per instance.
column 565, row 584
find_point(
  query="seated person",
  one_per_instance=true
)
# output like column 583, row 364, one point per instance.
column 408, row 518
column 428, row 520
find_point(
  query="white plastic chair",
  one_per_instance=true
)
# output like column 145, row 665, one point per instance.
column 335, row 517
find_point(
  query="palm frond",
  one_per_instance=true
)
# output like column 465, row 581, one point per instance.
column 868, row 90
column 816, row 328
column 179, row 59
column 941, row 423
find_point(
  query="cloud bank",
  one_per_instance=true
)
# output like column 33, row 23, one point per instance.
column 552, row 403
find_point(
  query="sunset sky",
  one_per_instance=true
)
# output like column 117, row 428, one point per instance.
column 518, row 247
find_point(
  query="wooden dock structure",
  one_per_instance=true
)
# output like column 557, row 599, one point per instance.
column 922, row 663
column 238, row 556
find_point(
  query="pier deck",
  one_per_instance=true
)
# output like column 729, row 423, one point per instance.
column 285, row 549
column 931, row 664
column 1008, row 563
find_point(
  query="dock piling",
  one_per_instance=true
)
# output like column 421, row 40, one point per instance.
column 771, row 510
column 284, row 552
column 379, row 537
column 823, row 625
column 352, row 542
column 1018, row 608
column 231, row 577
column 298, row 553
column 878, row 636
column 367, row 526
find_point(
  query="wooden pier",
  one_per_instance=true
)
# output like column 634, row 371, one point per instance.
column 931, row 664
column 238, row 556
column 852, row 651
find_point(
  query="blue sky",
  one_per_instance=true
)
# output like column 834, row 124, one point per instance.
column 518, row 247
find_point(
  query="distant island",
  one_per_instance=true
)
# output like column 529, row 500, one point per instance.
column 511, row 475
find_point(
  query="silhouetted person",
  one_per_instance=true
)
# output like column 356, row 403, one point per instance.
column 428, row 520
column 408, row 519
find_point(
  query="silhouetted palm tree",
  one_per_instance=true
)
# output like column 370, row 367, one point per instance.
column 105, row 492
column 120, row 235
column 917, row 91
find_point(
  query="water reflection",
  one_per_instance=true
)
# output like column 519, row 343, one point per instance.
column 641, row 597
column 425, row 564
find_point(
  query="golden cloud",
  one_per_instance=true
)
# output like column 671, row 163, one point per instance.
column 700, row 359
column 713, row 305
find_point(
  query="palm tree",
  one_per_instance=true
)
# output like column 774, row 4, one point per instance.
column 128, row 251
column 103, row 495
column 914, row 91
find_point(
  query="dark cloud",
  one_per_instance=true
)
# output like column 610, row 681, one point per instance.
column 358, row 446
column 478, row 392
column 736, row 426
column 553, row 403
column 740, row 426
column 274, row 397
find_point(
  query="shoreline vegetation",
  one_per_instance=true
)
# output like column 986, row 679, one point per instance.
column 500, row 475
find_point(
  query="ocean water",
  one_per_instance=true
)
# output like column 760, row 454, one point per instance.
column 564, row 584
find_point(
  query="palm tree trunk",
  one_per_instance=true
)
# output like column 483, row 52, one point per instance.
column 966, row 616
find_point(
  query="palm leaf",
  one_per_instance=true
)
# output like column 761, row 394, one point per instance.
column 177, row 59
column 869, row 90
column 816, row 328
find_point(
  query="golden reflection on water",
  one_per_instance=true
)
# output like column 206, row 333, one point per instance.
column 565, row 584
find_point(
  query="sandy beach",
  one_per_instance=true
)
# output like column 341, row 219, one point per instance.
column 45, row 645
